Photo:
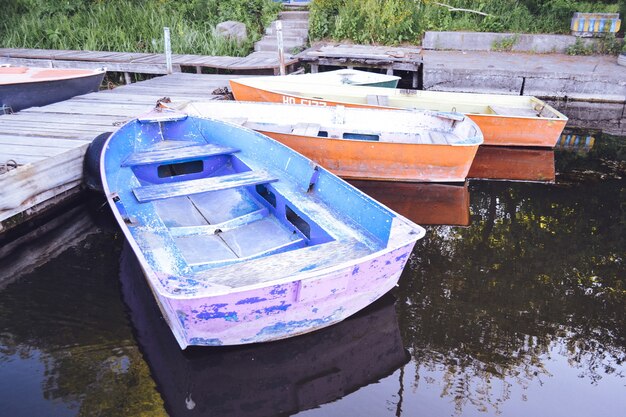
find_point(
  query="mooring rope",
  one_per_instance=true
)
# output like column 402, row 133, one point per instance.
column 7, row 166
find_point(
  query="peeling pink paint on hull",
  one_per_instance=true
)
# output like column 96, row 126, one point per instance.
column 285, row 310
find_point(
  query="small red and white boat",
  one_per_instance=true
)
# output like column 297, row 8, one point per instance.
column 23, row 87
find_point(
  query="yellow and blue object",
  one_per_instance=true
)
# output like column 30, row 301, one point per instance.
column 595, row 24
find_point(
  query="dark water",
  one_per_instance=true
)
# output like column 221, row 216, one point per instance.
column 513, row 305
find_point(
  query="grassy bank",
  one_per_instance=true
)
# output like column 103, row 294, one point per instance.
column 132, row 25
column 397, row 21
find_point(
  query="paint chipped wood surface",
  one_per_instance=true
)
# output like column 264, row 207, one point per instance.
column 48, row 143
column 145, row 63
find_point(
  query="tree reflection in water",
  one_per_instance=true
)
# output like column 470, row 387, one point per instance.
column 540, row 271
column 67, row 318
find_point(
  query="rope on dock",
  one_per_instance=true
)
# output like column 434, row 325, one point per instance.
column 7, row 166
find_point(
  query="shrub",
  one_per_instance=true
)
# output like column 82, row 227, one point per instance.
column 395, row 21
column 366, row 21
column 131, row 25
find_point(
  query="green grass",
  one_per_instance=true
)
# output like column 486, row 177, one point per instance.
column 131, row 25
column 396, row 21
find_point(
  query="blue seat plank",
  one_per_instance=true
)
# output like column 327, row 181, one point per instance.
column 177, row 189
column 176, row 154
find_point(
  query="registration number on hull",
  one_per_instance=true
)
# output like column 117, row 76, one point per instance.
column 305, row 101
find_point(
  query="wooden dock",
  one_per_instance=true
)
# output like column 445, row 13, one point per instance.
column 48, row 143
column 263, row 62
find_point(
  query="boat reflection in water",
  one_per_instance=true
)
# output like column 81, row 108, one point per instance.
column 515, row 164
column 423, row 203
column 449, row 204
column 267, row 379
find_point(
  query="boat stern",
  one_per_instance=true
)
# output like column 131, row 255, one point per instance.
column 282, row 310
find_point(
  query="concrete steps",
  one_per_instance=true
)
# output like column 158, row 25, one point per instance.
column 295, row 32
column 270, row 44
column 291, row 28
column 294, row 15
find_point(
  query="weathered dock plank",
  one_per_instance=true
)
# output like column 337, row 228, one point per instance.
column 41, row 150
column 32, row 184
column 51, row 142
column 139, row 68
column 47, row 131
column 25, row 116
column 24, row 159
column 141, row 63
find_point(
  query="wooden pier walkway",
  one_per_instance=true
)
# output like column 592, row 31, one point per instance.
column 263, row 62
column 48, row 143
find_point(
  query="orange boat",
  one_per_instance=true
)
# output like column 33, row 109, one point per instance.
column 399, row 145
column 505, row 120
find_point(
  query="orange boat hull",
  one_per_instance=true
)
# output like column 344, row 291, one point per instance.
column 519, row 131
column 384, row 160
column 497, row 130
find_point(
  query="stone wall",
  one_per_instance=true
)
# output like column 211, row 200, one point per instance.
column 514, row 42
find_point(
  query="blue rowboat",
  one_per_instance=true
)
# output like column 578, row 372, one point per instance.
column 242, row 239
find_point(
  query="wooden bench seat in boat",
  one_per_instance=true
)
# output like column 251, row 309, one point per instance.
column 306, row 129
column 269, row 127
column 377, row 100
column 438, row 138
column 514, row 111
column 173, row 155
column 177, row 189
column 236, row 120
column 284, row 264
